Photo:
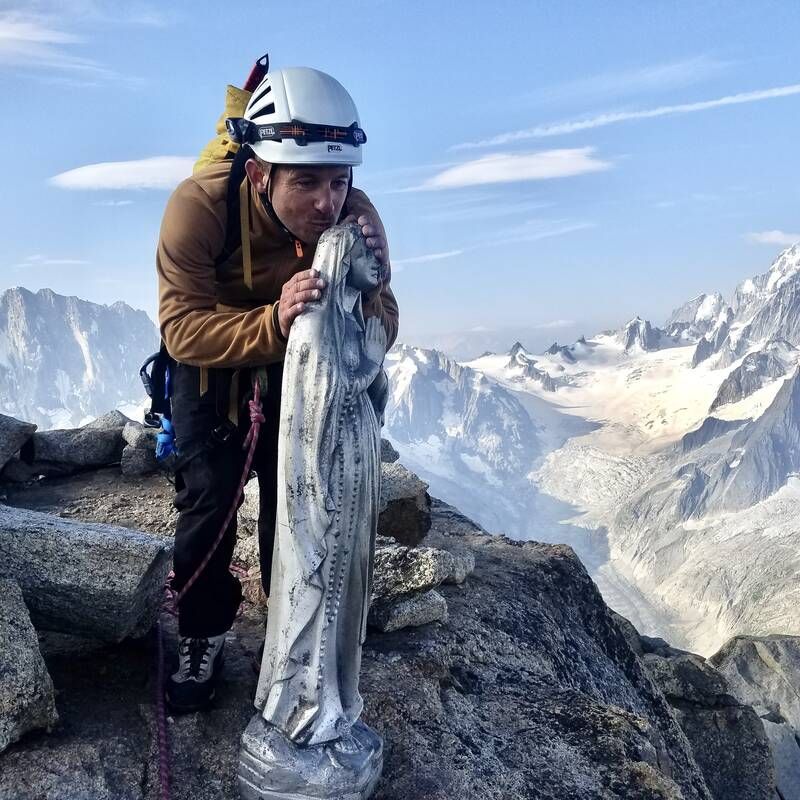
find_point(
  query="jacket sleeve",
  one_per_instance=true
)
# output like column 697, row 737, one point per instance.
column 381, row 302
column 193, row 330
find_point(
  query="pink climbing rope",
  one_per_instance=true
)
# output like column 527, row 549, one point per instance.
column 257, row 419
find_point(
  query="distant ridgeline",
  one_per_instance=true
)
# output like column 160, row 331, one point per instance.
column 64, row 360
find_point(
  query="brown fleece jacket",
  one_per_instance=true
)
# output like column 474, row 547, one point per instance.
column 208, row 317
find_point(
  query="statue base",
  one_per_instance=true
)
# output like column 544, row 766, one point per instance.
column 273, row 767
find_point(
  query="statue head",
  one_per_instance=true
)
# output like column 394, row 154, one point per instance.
column 365, row 269
column 344, row 259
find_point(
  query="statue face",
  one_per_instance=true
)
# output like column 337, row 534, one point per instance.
column 365, row 269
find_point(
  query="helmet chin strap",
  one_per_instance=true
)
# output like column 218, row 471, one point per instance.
column 266, row 199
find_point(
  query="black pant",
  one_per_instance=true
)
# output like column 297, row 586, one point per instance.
column 207, row 477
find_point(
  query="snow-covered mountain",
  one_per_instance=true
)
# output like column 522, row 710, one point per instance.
column 639, row 333
column 467, row 436
column 765, row 307
column 64, row 360
column 696, row 317
column 676, row 450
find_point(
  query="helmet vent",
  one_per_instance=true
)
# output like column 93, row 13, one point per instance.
column 263, row 94
column 270, row 109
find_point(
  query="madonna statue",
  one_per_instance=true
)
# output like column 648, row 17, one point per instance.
column 307, row 741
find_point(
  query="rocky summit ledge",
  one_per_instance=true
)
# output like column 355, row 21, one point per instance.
column 529, row 689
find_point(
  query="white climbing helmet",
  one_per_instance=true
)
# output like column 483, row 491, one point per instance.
column 300, row 115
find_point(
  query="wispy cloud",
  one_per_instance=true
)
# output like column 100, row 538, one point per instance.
column 531, row 231
column 426, row 258
column 556, row 323
column 773, row 237
column 558, row 228
column 34, row 38
column 612, row 118
column 100, row 12
column 486, row 210
column 31, row 41
column 113, row 203
column 39, row 260
column 159, row 172
column 620, row 83
column 517, row 167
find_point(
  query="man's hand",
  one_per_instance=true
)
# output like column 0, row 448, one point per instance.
column 300, row 289
column 372, row 228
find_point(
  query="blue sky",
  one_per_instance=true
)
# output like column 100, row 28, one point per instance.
column 556, row 166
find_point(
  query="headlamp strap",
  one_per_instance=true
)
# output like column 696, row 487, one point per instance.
column 245, row 131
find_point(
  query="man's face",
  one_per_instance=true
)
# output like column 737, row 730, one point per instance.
column 309, row 200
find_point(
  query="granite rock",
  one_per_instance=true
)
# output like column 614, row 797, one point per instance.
column 13, row 434
column 528, row 690
column 61, row 452
column 138, row 460
column 388, row 454
column 400, row 570
column 136, row 435
column 406, row 611
column 26, row 691
column 405, row 505
column 84, row 578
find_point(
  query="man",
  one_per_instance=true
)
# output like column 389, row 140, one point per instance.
column 224, row 310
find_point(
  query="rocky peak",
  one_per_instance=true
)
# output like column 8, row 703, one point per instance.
column 516, row 349
column 757, row 369
column 639, row 333
column 753, row 292
column 563, row 350
column 697, row 316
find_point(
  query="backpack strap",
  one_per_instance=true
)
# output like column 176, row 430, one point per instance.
column 237, row 186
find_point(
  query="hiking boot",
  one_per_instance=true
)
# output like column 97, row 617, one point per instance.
column 192, row 686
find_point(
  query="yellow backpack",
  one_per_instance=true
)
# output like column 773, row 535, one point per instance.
column 236, row 100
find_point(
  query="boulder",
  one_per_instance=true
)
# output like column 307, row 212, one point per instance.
column 26, row 691
column 405, row 506
column 399, row 570
column 138, row 460
column 727, row 738
column 13, row 434
column 84, row 578
column 406, row 611
column 111, row 420
column 388, row 454
column 60, row 452
column 136, row 435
